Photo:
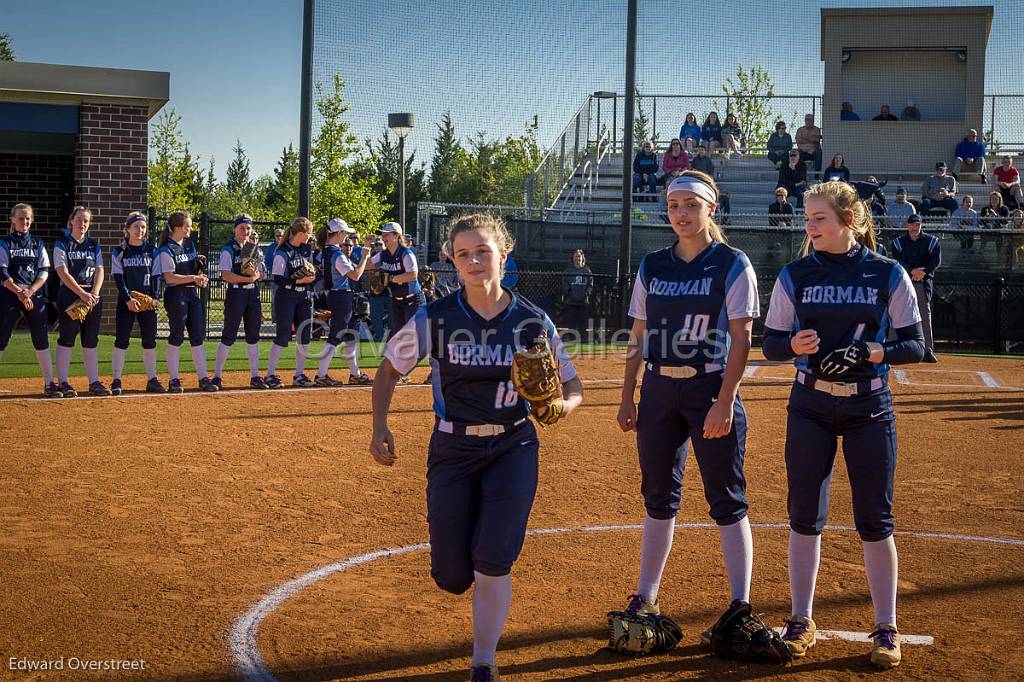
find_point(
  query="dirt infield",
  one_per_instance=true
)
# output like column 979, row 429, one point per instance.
column 145, row 527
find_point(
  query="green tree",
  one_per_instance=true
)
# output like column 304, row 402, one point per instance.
column 442, row 168
column 239, row 180
column 750, row 99
column 6, row 51
column 494, row 172
column 641, row 124
column 171, row 168
column 283, row 193
column 385, row 164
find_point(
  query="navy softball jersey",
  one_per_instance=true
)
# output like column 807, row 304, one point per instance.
column 406, row 298
column 23, row 258
column 132, row 270
column 82, row 260
column 292, row 305
column 339, row 293
column 181, row 301
column 687, row 307
column 483, row 455
column 856, row 296
column 241, row 301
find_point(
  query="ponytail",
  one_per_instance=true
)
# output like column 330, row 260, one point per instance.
column 298, row 225
column 321, row 238
column 851, row 211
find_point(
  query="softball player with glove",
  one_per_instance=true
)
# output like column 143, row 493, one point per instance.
column 398, row 262
column 693, row 306
column 180, row 264
column 339, row 275
column 24, row 269
column 292, row 305
column 483, row 453
column 79, row 264
column 241, row 304
column 832, row 311
column 131, row 265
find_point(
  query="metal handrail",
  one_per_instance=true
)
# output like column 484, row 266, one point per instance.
column 590, row 170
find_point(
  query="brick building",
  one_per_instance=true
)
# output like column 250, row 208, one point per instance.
column 72, row 135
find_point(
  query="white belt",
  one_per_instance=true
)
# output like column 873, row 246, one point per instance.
column 251, row 285
column 292, row 287
column 446, row 426
column 839, row 388
column 684, row 371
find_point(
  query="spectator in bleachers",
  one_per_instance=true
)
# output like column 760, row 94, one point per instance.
column 885, row 114
column 836, row 170
column 1015, row 248
column 793, row 176
column 577, row 285
column 808, row 141
column 1007, row 183
column 732, row 135
column 690, row 132
column 779, row 144
column 711, row 132
column 702, row 161
column 920, row 255
column 675, row 161
column 965, row 218
column 970, row 156
column 939, row 190
column 847, row 113
column 780, row 207
column 996, row 215
column 910, row 112
column 900, row 210
column 645, row 169
column 870, row 192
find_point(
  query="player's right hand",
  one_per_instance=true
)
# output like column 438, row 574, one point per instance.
column 382, row 447
column 805, row 342
column 627, row 416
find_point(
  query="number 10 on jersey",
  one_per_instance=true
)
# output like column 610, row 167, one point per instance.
column 506, row 396
column 694, row 329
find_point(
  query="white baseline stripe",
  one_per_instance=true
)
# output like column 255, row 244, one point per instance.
column 924, row 640
column 244, row 638
column 988, row 380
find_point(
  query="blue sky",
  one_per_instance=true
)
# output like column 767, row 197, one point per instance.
column 234, row 63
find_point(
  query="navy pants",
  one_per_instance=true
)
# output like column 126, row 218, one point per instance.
column 671, row 412
column 339, row 302
column 867, row 425
column 68, row 329
column 125, row 321
column 292, row 309
column 37, row 318
column 184, row 313
column 479, row 494
column 239, row 305
column 402, row 311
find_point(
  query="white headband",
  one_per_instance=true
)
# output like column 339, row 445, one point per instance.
column 688, row 183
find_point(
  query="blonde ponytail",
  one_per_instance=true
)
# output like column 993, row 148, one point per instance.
column 851, row 211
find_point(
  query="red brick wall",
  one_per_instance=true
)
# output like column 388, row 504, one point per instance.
column 46, row 182
column 110, row 177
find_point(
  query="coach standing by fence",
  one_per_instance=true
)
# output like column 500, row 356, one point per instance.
column 920, row 255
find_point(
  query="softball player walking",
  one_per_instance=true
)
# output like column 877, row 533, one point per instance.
column 177, row 261
column 483, row 453
column 832, row 311
column 131, row 264
column 241, row 303
column 693, row 306
column 24, row 269
column 79, row 264
column 340, row 274
column 292, row 305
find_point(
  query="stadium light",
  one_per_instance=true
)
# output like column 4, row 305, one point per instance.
column 402, row 125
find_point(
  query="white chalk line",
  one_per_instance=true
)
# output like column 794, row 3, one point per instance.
column 244, row 638
column 920, row 640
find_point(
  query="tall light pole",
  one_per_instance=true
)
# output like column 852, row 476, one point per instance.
column 401, row 124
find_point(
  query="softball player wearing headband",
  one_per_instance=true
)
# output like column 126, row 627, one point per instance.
column 241, row 303
column 340, row 274
column 24, row 268
column 693, row 306
column 482, row 457
column 292, row 304
column 177, row 260
column 832, row 311
column 131, row 265
column 79, row 264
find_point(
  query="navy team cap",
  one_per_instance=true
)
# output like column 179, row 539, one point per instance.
column 914, row 218
column 243, row 219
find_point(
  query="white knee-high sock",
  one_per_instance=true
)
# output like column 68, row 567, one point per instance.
column 117, row 363
column 43, row 358
column 199, row 360
column 300, row 358
column 253, row 351
column 173, row 360
column 882, row 566
column 149, row 361
column 325, row 361
column 804, row 555
column 275, row 355
column 492, row 599
column 738, row 552
column 91, row 358
column 222, row 359
column 62, row 356
column 352, row 355
column 656, row 545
